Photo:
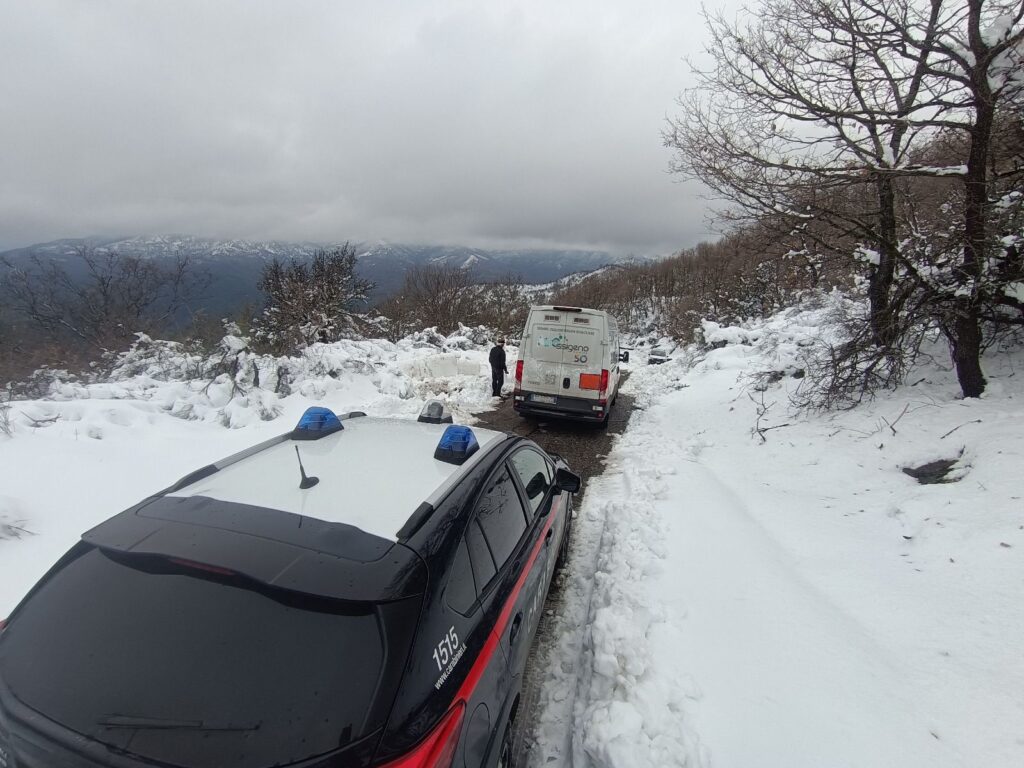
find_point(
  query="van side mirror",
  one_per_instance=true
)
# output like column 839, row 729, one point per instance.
column 624, row 357
column 567, row 481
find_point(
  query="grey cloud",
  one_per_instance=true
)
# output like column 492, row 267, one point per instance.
column 458, row 122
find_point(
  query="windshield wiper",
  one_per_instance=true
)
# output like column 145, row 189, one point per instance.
column 160, row 723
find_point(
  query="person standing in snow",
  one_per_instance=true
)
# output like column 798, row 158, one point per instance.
column 498, row 367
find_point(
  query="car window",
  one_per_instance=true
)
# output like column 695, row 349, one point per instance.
column 535, row 474
column 461, row 590
column 501, row 516
column 480, row 555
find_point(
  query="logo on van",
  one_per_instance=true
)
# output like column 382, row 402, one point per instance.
column 580, row 351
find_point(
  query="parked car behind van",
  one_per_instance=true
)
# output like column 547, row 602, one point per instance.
column 568, row 364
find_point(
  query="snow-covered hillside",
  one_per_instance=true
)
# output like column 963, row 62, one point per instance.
column 234, row 266
column 797, row 601
column 734, row 599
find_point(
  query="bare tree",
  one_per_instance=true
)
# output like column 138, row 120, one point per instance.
column 979, row 57
column 101, row 298
column 439, row 295
column 503, row 304
column 810, row 98
column 814, row 112
column 315, row 302
column 399, row 317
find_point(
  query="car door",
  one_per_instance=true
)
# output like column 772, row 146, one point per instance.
column 483, row 590
column 535, row 476
column 513, row 542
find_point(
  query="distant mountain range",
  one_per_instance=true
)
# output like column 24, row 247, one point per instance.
column 234, row 266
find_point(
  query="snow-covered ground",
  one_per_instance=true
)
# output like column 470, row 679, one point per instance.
column 797, row 602
column 791, row 602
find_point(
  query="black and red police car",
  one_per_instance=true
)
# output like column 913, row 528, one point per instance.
column 356, row 592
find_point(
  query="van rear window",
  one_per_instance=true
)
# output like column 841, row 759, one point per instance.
column 181, row 666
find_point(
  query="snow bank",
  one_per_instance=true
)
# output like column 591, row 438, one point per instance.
column 235, row 387
column 89, row 450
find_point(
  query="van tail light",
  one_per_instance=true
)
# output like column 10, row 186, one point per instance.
column 3, row 624
column 603, row 392
column 437, row 750
column 519, row 374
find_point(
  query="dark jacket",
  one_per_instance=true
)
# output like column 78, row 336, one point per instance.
column 497, row 359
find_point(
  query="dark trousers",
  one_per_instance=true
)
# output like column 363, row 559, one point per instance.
column 497, row 379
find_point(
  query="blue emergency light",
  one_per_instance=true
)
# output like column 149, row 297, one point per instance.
column 315, row 423
column 457, row 444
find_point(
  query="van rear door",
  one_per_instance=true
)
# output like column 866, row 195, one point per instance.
column 542, row 366
column 583, row 340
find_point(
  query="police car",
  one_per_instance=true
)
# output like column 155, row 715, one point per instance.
column 356, row 592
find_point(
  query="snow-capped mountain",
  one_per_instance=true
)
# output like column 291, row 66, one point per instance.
column 234, row 265
column 170, row 246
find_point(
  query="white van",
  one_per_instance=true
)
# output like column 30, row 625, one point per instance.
column 568, row 364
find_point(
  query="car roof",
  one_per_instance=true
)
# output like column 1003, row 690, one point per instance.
column 373, row 474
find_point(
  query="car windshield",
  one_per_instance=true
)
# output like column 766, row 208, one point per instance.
column 184, row 666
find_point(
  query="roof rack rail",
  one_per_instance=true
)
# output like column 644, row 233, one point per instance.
column 209, row 469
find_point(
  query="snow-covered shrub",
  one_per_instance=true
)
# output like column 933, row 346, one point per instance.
column 311, row 303
column 11, row 529
column 428, row 337
column 160, row 360
column 233, row 385
column 45, row 383
column 844, row 365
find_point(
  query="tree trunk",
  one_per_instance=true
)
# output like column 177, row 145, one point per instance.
column 966, row 344
column 883, row 327
column 967, row 324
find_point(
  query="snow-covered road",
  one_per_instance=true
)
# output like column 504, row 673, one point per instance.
column 799, row 602
column 785, row 676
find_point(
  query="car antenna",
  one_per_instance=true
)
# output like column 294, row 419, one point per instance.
column 307, row 482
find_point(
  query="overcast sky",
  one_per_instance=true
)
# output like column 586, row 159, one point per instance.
column 480, row 123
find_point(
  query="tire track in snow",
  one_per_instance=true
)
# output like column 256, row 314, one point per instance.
column 602, row 701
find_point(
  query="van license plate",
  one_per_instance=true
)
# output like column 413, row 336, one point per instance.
column 543, row 399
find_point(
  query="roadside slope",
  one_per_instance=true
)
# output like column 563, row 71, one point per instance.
column 799, row 601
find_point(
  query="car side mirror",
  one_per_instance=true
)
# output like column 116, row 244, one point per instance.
column 567, row 481
column 537, row 485
column 624, row 357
